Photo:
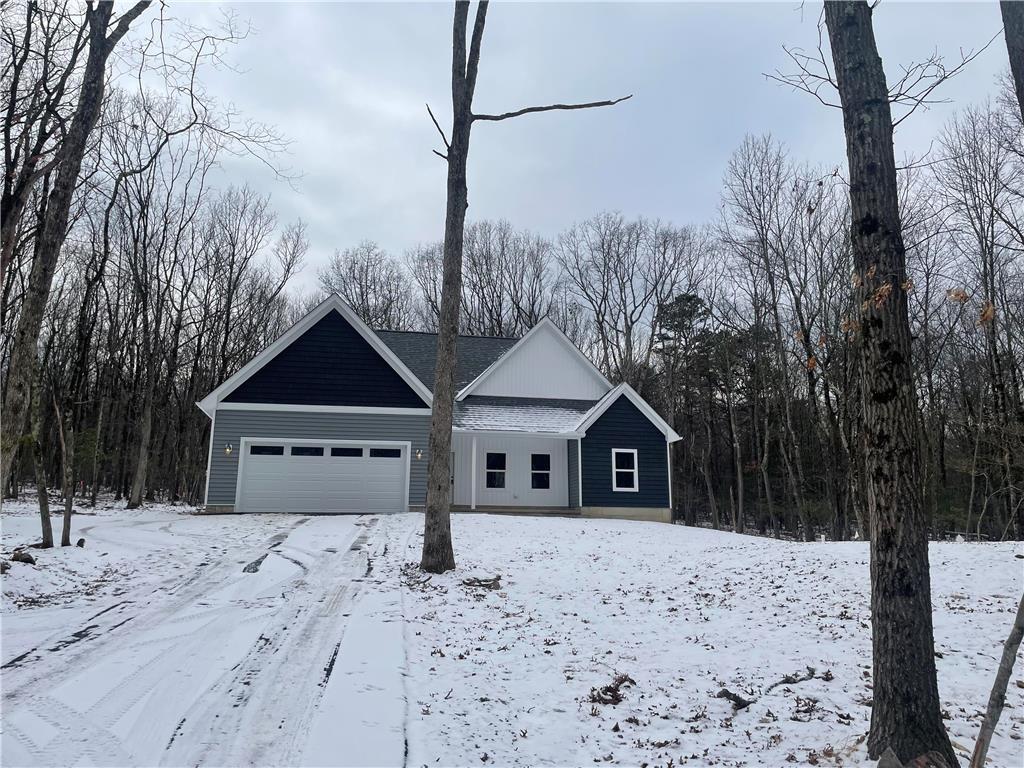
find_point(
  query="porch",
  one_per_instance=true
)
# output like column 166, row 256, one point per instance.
column 507, row 472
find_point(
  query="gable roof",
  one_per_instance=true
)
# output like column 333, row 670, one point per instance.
column 473, row 354
column 545, row 324
column 624, row 390
column 332, row 303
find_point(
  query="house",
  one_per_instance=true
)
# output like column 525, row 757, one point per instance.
column 334, row 417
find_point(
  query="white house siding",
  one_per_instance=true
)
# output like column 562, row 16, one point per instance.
column 544, row 366
column 231, row 425
column 517, row 491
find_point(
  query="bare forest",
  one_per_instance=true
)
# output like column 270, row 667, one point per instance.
column 739, row 328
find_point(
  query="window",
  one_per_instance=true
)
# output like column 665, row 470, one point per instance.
column 307, row 450
column 624, row 469
column 266, row 450
column 495, row 470
column 540, row 471
column 385, row 453
column 346, row 451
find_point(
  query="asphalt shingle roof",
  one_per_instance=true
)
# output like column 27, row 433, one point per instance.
column 520, row 414
column 419, row 353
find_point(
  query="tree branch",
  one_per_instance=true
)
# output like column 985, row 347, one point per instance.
column 550, row 108
column 126, row 21
column 439, row 129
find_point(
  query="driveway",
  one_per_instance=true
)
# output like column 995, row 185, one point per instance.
column 221, row 661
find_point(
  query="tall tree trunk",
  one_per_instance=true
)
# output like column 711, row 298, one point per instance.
column 66, row 432
column 737, row 463
column 55, row 223
column 39, row 465
column 69, row 480
column 1013, row 30
column 905, row 712
column 438, row 555
column 142, row 458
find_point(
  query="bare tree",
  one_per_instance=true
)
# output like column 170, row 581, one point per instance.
column 374, row 285
column 905, row 712
column 438, row 555
column 67, row 163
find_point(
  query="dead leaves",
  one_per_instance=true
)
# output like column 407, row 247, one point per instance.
column 987, row 314
column 474, row 582
column 611, row 693
column 881, row 295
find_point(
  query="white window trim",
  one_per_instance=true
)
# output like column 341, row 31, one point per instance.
column 504, row 472
column 635, row 470
column 540, row 472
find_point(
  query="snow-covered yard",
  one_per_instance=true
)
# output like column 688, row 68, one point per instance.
column 154, row 644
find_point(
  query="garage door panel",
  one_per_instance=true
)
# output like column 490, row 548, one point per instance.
column 312, row 484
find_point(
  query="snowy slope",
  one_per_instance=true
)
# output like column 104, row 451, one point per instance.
column 153, row 646
column 504, row 677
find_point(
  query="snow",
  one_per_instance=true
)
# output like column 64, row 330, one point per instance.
column 153, row 645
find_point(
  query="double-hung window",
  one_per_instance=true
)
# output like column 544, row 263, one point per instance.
column 495, row 470
column 540, row 471
column 624, row 470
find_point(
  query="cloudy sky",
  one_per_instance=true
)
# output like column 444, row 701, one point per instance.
column 347, row 83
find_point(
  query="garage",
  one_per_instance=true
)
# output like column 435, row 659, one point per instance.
column 322, row 477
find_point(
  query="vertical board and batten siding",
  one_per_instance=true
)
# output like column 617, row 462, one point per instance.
column 544, row 367
column 329, row 364
column 517, row 491
column 624, row 426
column 573, row 450
column 230, row 426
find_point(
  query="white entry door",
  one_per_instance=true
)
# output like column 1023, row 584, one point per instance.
column 326, row 477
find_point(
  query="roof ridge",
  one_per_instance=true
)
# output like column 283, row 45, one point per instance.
column 461, row 335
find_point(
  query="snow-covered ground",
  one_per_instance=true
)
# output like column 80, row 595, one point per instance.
column 153, row 645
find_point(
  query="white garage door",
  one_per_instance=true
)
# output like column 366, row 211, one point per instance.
column 322, row 477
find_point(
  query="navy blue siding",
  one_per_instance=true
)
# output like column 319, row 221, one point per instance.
column 329, row 364
column 624, row 426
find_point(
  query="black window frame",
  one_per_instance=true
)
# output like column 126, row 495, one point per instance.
column 266, row 450
column 540, row 475
column 307, row 451
column 494, row 476
column 385, row 453
column 347, row 451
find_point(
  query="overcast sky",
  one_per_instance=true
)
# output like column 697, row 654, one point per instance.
column 347, row 83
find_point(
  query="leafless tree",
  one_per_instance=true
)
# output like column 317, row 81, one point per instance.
column 905, row 714
column 374, row 284
column 438, row 555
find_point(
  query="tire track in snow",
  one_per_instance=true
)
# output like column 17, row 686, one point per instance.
column 259, row 712
column 68, row 655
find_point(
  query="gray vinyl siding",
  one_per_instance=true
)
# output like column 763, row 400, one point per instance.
column 574, row 474
column 230, row 426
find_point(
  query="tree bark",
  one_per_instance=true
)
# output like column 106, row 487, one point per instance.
column 39, row 466
column 905, row 713
column 997, row 698
column 67, row 452
column 438, row 555
column 1013, row 30
column 54, row 226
